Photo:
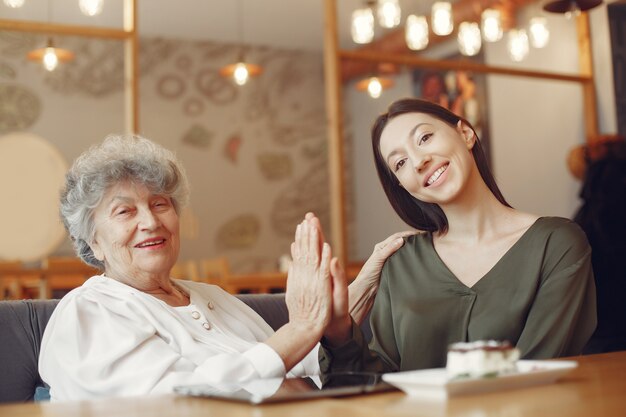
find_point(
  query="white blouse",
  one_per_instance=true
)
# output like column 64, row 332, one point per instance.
column 106, row 338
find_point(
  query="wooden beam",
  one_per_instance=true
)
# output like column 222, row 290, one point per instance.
column 63, row 30
column 585, row 56
column 131, row 68
column 334, row 115
column 416, row 61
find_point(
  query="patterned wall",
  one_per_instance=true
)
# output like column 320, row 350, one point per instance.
column 255, row 155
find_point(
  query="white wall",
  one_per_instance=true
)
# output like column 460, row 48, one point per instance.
column 533, row 125
column 372, row 215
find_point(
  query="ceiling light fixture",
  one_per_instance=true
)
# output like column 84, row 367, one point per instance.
column 491, row 25
column 539, row 33
column 416, row 32
column 389, row 13
column 518, row 44
column 362, row 26
column 240, row 71
column 14, row 4
column 50, row 56
column 91, row 7
column 441, row 18
column 469, row 38
column 375, row 85
column 570, row 7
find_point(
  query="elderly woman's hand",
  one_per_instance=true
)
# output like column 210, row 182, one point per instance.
column 363, row 289
column 309, row 286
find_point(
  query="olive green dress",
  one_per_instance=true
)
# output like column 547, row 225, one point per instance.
column 539, row 296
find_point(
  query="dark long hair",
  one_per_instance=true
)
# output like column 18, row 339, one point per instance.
column 416, row 213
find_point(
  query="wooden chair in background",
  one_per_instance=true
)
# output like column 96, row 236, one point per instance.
column 62, row 274
column 17, row 282
column 9, row 280
column 186, row 270
column 214, row 271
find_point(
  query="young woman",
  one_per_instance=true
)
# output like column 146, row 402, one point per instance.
column 481, row 270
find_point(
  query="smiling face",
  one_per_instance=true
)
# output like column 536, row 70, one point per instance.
column 431, row 159
column 136, row 233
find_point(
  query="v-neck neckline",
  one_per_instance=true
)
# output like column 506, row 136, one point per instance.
column 494, row 267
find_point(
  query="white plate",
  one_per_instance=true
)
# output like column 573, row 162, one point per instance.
column 434, row 383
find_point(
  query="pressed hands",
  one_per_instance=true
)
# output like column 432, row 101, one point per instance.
column 318, row 296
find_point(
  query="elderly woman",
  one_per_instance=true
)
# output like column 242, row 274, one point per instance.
column 134, row 330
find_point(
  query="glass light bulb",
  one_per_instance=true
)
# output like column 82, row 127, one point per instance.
column 441, row 18
column 469, row 38
column 374, row 87
column 389, row 13
column 416, row 32
column 241, row 74
column 362, row 27
column 518, row 44
column 91, row 7
column 50, row 59
column 492, row 25
column 14, row 4
column 539, row 33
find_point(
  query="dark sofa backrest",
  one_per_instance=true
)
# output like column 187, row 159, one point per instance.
column 21, row 327
column 22, row 324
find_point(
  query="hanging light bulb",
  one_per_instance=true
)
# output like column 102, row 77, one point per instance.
column 241, row 74
column 539, row 33
column 91, row 7
column 469, row 38
column 416, row 32
column 389, row 13
column 241, row 71
column 492, row 25
column 14, row 4
column 441, row 18
column 362, row 25
column 374, row 86
column 50, row 59
column 518, row 44
column 50, row 56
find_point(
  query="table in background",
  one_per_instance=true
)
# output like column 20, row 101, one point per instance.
column 596, row 388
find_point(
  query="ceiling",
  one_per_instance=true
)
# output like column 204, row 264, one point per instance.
column 290, row 24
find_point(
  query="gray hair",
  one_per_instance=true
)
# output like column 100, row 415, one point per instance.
column 118, row 158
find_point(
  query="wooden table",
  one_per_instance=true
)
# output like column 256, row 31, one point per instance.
column 596, row 388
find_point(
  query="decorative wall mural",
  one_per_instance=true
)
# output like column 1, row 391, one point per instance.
column 231, row 149
column 193, row 107
column 309, row 193
column 171, row 86
column 281, row 98
column 183, row 63
column 19, row 107
column 239, row 233
column 17, row 44
column 198, row 136
column 215, row 87
column 315, row 150
column 275, row 166
column 6, row 71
